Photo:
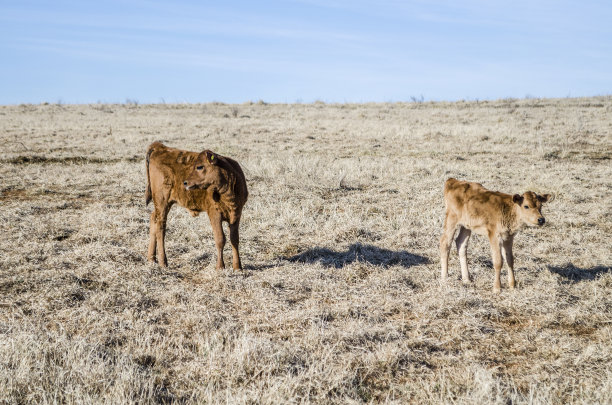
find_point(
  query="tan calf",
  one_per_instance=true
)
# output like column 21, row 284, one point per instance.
column 199, row 182
column 495, row 215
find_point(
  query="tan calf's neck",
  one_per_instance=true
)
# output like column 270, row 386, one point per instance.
column 511, row 222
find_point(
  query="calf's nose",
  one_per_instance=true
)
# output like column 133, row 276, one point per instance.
column 541, row 221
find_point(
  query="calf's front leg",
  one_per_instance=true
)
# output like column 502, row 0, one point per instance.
column 497, row 261
column 507, row 246
column 217, row 227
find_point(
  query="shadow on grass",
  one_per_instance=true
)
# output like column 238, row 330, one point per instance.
column 205, row 259
column 577, row 274
column 358, row 252
column 258, row 267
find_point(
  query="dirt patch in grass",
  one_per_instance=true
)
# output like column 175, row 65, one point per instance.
column 67, row 160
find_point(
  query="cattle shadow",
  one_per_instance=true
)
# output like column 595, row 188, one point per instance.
column 578, row 274
column 203, row 258
column 206, row 258
column 358, row 252
column 259, row 267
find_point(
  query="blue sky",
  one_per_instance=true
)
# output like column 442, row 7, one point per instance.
column 302, row 50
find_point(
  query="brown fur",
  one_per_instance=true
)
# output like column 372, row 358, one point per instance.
column 495, row 215
column 218, row 187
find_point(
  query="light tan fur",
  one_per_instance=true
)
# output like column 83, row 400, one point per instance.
column 199, row 182
column 495, row 215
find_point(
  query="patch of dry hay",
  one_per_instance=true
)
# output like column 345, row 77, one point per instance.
column 339, row 300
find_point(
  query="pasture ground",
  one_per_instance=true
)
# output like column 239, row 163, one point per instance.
column 340, row 300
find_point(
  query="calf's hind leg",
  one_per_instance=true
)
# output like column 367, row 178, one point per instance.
column 234, row 240
column 152, row 238
column 462, row 244
column 450, row 222
column 160, row 230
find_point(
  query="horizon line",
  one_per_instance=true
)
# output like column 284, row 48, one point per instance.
column 412, row 100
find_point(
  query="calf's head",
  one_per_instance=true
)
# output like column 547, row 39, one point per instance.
column 205, row 172
column 530, row 207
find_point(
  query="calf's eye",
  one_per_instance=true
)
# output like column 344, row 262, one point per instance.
column 199, row 167
column 527, row 206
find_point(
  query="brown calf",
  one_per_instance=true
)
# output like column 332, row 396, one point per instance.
column 493, row 214
column 199, row 182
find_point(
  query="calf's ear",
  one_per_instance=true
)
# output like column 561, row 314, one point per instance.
column 544, row 198
column 517, row 198
column 201, row 158
column 211, row 157
column 208, row 157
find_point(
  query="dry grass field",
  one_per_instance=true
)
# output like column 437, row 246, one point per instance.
column 340, row 299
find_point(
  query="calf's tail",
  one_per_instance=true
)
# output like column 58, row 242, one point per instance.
column 148, row 194
column 447, row 186
column 448, row 183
